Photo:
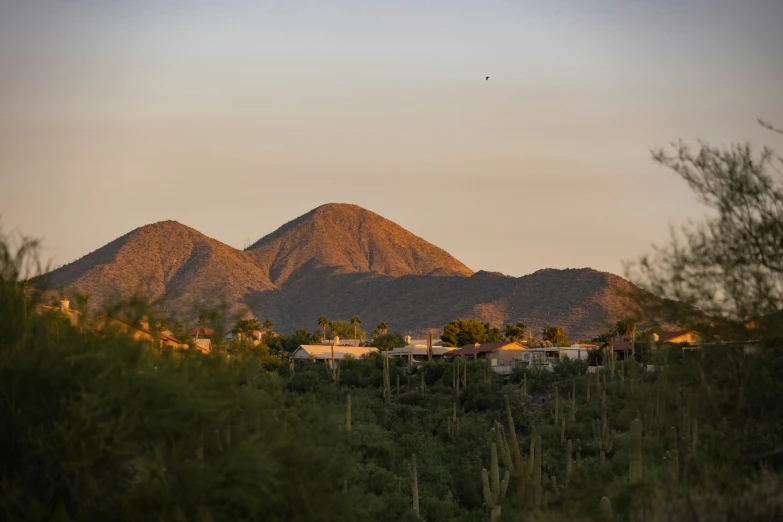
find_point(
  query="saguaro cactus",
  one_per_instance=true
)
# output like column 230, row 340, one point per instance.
column 414, row 484
column 334, row 369
column 569, row 462
column 606, row 509
column 635, row 456
column 673, row 459
column 572, row 407
column 494, row 493
column 587, row 388
column 538, row 488
column 348, row 415
column 423, row 385
column 556, row 412
column 512, row 432
column 604, row 440
column 523, row 391
column 386, row 381
column 455, row 377
column 453, row 423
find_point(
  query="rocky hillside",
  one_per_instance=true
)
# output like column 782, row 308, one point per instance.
column 350, row 239
column 165, row 259
column 338, row 260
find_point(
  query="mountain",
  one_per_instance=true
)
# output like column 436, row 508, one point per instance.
column 338, row 260
column 350, row 239
column 165, row 258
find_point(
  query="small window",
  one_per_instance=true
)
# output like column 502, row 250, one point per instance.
column 494, row 362
column 502, row 362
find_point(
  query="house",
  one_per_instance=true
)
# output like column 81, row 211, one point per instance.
column 576, row 351
column 501, row 356
column 540, row 358
column 137, row 330
column 73, row 316
column 691, row 337
column 202, row 332
column 323, row 352
column 416, row 354
column 622, row 349
column 203, row 345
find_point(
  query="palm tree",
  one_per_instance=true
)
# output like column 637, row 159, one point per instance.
column 356, row 322
column 323, row 322
column 382, row 328
column 627, row 328
column 83, row 301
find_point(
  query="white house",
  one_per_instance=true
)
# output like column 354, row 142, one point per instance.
column 324, row 351
column 576, row 351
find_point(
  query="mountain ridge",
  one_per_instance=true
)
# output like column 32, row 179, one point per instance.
column 337, row 260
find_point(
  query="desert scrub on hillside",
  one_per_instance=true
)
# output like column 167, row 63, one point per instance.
column 102, row 427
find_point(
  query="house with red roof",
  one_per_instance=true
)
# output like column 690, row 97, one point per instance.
column 502, row 357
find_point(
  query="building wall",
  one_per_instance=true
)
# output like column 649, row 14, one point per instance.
column 504, row 357
column 574, row 353
column 690, row 337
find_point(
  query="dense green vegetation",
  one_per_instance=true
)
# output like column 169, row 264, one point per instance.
column 107, row 428
column 468, row 331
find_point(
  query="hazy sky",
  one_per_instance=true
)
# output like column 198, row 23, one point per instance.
column 235, row 116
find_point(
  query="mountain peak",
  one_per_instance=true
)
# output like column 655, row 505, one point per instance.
column 350, row 239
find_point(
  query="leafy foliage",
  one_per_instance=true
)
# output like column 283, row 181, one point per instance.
column 554, row 334
column 468, row 331
column 344, row 330
column 389, row 341
column 247, row 326
column 730, row 264
column 515, row 332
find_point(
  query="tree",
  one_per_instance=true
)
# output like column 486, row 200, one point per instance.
column 468, row 331
column 382, row 328
column 344, row 329
column 627, row 328
column 731, row 264
column 247, row 326
column 323, row 323
column 82, row 304
column 356, row 322
column 515, row 332
column 389, row 341
column 268, row 326
column 604, row 339
column 595, row 357
column 554, row 334
column 494, row 335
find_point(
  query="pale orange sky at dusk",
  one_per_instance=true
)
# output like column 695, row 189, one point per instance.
column 234, row 117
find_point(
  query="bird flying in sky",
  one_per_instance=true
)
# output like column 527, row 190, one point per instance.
column 487, row 77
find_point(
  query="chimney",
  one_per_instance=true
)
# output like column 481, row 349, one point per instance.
column 407, row 339
column 65, row 306
column 337, row 340
column 144, row 322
